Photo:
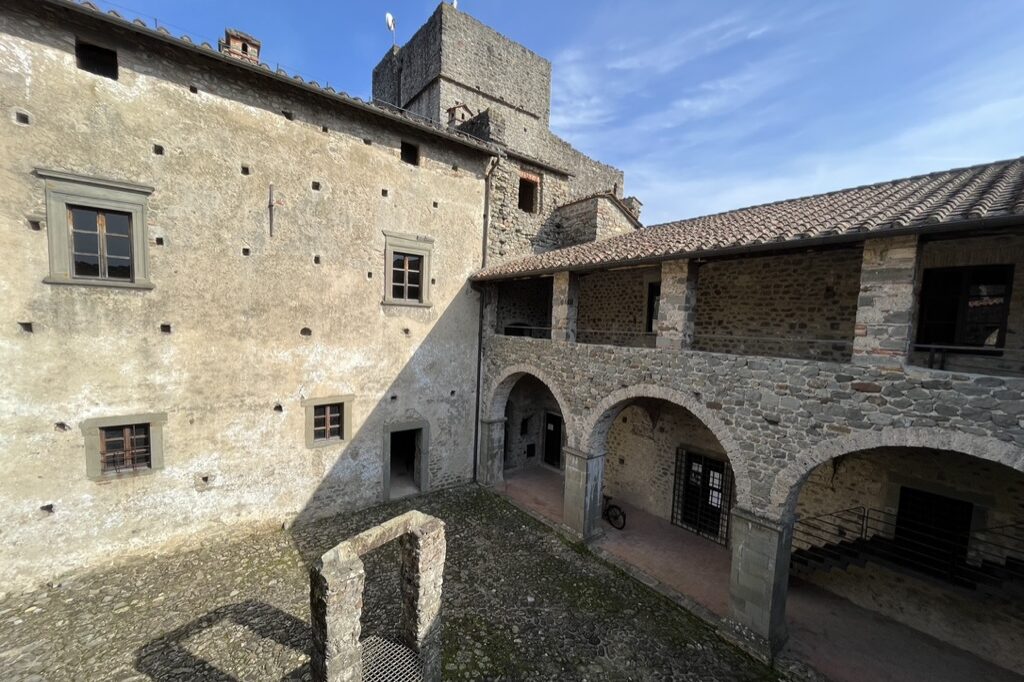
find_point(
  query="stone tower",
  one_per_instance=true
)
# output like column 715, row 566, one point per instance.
column 458, row 72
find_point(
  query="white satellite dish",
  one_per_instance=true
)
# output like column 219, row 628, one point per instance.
column 389, row 19
column 455, row 4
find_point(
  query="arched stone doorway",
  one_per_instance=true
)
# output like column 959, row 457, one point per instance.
column 671, row 473
column 525, row 444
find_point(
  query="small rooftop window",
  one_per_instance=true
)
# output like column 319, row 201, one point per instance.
column 410, row 153
column 96, row 59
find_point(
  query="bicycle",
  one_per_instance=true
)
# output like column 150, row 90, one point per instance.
column 613, row 514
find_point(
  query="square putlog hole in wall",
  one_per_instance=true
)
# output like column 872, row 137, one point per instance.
column 165, row 328
column 246, row 170
column 315, row 185
column 246, row 251
column 383, row 192
column 158, row 149
column 22, row 118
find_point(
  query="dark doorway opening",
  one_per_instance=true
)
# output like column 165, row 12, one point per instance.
column 701, row 495
column 553, row 440
column 406, row 458
column 933, row 531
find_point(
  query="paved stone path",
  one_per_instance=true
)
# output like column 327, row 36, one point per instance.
column 520, row 603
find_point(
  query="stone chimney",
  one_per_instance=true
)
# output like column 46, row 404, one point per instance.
column 240, row 45
column 634, row 205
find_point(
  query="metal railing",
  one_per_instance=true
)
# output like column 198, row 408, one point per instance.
column 617, row 337
column 524, row 330
column 985, row 556
column 973, row 359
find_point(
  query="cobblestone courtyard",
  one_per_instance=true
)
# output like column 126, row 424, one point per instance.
column 519, row 604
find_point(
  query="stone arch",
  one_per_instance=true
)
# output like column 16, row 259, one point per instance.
column 597, row 423
column 502, row 388
column 789, row 481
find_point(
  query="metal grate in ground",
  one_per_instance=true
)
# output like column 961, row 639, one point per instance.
column 387, row 661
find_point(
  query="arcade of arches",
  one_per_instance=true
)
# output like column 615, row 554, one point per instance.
column 931, row 539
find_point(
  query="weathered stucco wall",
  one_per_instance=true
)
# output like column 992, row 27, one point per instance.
column 235, row 349
column 640, row 466
column 780, row 305
column 613, row 307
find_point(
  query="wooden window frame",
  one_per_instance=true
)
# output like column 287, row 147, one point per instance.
column 101, row 243
column 408, row 245
column 93, row 431
column 311, row 405
column 66, row 190
column 133, row 456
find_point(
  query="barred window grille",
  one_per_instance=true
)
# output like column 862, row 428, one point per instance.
column 701, row 496
column 125, row 449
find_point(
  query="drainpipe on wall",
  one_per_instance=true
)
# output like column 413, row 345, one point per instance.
column 491, row 165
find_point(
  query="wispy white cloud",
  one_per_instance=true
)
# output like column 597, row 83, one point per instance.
column 755, row 106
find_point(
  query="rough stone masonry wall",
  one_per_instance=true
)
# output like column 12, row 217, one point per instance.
column 780, row 305
column 591, row 219
column 776, row 418
column 613, row 307
column 530, row 400
column 640, row 466
column 235, row 350
column 454, row 57
column 994, row 250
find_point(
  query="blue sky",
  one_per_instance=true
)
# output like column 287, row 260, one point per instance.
column 707, row 106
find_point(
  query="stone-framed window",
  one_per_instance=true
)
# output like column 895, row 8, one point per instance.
column 407, row 269
column 123, row 446
column 529, row 192
column 328, row 420
column 96, row 230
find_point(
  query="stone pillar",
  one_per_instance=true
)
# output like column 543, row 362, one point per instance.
column 887, row 302
column 677, row 305
column 423, row 555
column 760, row 576
column 336, row 604
column 491, row 465
column 565, row 299
column 581, row 503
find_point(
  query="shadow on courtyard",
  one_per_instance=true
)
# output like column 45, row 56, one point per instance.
column 164, row 659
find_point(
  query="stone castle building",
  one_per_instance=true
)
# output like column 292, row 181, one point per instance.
column 235, row 296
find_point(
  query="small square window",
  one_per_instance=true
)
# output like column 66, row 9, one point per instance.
column 410, row 153
column 96, row 59
column 529, row 190
column 328, row 420
column 125, row 449
column 122, row 446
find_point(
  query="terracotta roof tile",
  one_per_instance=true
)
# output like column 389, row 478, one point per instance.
column 978, row 193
